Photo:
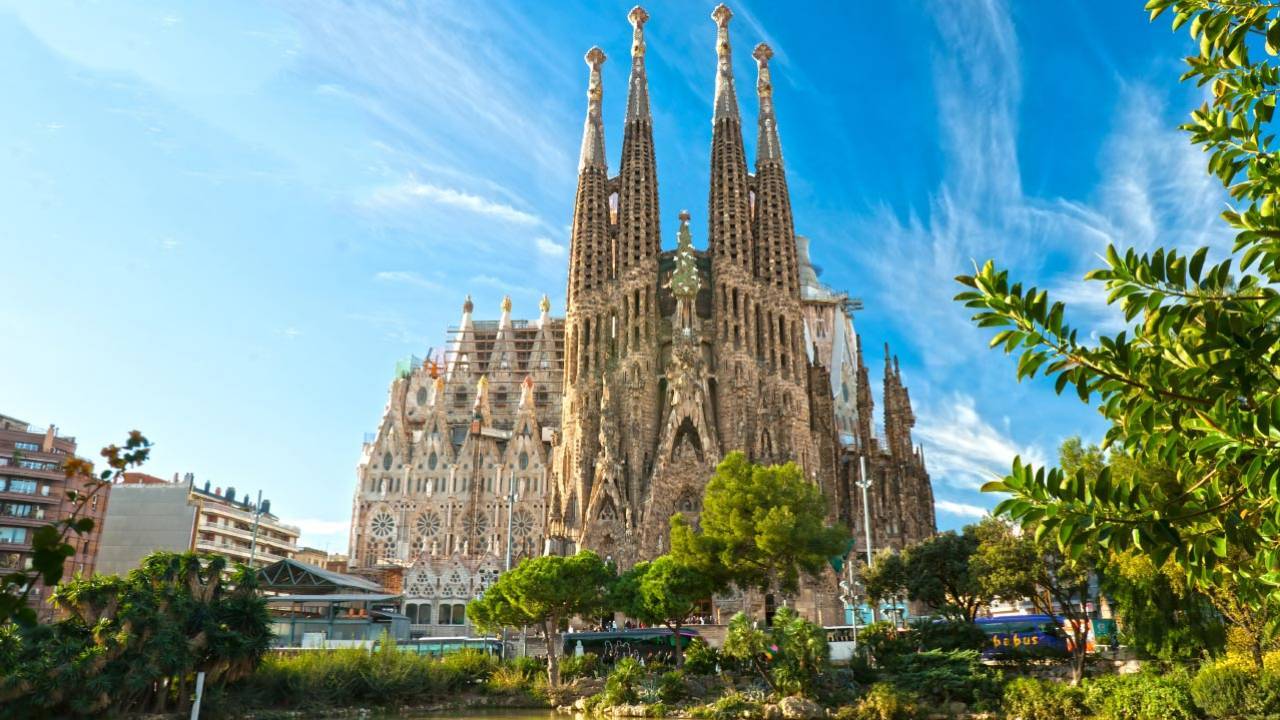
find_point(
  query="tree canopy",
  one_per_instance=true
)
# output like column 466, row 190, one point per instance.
column 940, row 572
column 662, row 592
column 1191, row 384
column 545, row 591
column 761, row 527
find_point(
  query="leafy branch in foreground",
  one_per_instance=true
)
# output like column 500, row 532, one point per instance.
column 49, row 546
column 1192, row 386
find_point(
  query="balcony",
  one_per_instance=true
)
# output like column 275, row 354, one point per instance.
column 233, row 531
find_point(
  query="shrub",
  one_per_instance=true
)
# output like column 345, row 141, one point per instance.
column 1031, row 699
column 700, row 658
column 1141, row 696
column 1235, row 688
column 671, row 687
column 529, row 667
column 885, row 642
column 621, row 688
column 940, row 677
column 884, row 702
column 475, row 665
column 730, row 706
column 929, row 634
column 577, row 666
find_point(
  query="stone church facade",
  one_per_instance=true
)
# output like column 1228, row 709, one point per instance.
column 610, row 420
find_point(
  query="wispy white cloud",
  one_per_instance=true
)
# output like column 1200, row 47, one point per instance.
column 962, row 449
column 960, row 509
column 412, row 191
column 549, row 247
column 291, row 333
column 407, row 278
column 314, row 526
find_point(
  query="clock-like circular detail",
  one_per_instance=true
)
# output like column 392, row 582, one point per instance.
column 477, row 524
column 428, row 524
column 522, row 523
column 383, row 525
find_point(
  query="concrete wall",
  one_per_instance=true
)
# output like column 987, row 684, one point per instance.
column 142, row 519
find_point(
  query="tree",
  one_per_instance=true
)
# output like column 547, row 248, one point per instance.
column 941, row 573
column 1157, row 612
column 545, row 591
column 664, row 592
column 886, row 578
column 1192, row 384
column 761, row 527
column 49, row 546
column 133, row 644
column 790, row 656
column 1016, row 565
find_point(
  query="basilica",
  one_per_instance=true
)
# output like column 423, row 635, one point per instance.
column 591, row 429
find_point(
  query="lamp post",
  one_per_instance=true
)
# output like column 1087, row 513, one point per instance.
column 864, row 483
column 512, row 497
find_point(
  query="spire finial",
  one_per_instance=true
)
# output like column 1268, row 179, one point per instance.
column 685, row 282
column 768, row 147
column 638, row 17
column 638, row 85
column 506, row 303
column 467, row 305
column 726, row 100
column 593, row 132
column 544, row 305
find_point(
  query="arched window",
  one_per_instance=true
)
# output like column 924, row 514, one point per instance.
column 432, row 460
column 386, row 461
column 524, row 460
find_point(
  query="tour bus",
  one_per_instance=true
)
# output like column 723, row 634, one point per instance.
column 1024, row 635
column 613, row 645
column 438, row 646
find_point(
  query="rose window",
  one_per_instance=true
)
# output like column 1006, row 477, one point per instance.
column 383, row 525
column 522, row 523
column 475, row 525
column 428, row 524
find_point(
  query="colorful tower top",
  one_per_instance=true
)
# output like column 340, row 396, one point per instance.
column 726, row 101
column 768, row 148
column 593, row 131
column 638, row 91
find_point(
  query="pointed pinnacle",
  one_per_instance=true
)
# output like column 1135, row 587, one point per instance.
column 638, row 18
column 722, row 14
column 595, row 57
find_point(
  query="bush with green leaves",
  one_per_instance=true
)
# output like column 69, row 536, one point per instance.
column 470, row 663
column 1027, row 698
column 700, row 658
column 938, row 677
column 1235, row 688
column 730, row 706
column 942, row 634
column 579, row 666
column 885, row 642
column 1148, row 695
column 883, row 701
column 622, row 687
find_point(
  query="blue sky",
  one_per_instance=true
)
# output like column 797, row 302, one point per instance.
column 223, row 223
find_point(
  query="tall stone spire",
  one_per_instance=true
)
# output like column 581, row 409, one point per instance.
column 593, row 131
column 775, row 249
column 638, row 231
column 726, row 104
column 589, row 241
column 729, row 222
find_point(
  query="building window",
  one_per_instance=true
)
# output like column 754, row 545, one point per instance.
column 10, row 561
column 15, row 535
column 432, row 459
column 524, row 460
column 29, row 447
column 422, row 396
column 18, row 485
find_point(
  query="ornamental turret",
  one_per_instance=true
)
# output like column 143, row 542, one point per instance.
column 729, row 223
column 589, row 250
column 775, row 240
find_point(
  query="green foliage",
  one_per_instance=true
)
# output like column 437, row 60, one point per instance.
column 929, row 634
column 791, row 656
column 1157, row 613
column 579, row 666
column 135, row 643
column 941, row 573
column 665, row 591
column 1141, row 696
column 1032, row 699
column 349, row 677
column 1190, row 385
column 884, row 701
column 730, row 706
column 886, row 578
column 672, row 687
column 1032, row 565
column 545, row 591
column 1235, row 688
column 938, row 677
column 885, row 642
column 468, row 662
column 49, row 543
column 699, row 658
column 760, row 527
column 623, row 684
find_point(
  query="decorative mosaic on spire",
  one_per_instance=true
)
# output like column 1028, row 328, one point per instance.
column 684, row 279
column 638, row 90
column 726, row 101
